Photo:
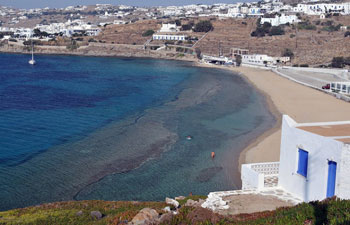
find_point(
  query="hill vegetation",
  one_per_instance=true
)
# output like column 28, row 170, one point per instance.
column 330, row 211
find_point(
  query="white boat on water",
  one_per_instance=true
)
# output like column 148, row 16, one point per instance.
column 32, row 61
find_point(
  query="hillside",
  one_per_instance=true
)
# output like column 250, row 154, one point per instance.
column 314, row 43
column 330, row 211
column 309, row 46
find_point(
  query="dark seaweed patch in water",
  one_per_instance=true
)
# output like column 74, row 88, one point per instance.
column 32, row 97
column 207, row 174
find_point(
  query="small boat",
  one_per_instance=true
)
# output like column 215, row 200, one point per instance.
column 189, row 137
column 32, row 61
column 213, row 155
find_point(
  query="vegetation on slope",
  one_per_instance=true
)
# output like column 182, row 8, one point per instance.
column 331, row 211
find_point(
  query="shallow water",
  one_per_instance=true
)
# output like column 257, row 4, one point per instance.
column 115, row 129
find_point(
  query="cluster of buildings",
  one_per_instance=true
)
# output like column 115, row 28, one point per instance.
column 70, row 28
column 78, row 17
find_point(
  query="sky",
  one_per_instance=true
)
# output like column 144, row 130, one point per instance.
column 27, row 4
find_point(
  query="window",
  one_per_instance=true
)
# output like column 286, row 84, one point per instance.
column 302, row 162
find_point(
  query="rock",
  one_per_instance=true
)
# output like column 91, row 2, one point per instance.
column 173, row 202
column 145, row 216
column 79, row 213
column 165, row 218
column 96, row 215
column 167, row 209
column 180, row 198
column 192, row 203
column 201, row 201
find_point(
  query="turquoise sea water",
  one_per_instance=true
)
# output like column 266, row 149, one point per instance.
column 115, row 128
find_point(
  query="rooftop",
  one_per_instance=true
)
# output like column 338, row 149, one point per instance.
column 339, row 131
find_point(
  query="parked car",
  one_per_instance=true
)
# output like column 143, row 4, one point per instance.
column 327, row 86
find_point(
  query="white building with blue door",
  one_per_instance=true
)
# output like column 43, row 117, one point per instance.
column 315, row 159
column 314, row 162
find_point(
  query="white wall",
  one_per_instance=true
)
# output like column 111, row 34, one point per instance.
column 343, row 177
column 250, row 178
column 321, row 149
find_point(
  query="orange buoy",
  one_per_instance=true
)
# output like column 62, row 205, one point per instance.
column 213, row 155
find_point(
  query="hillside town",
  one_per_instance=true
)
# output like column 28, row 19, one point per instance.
column 21, row 23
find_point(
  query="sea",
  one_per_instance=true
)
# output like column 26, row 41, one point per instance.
column 77, row 128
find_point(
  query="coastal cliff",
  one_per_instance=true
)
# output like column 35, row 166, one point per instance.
column 98, row 49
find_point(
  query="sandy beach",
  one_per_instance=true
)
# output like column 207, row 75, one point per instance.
column 283, row 96
column 303, row 104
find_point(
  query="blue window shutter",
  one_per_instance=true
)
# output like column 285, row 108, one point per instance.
column 302, row 163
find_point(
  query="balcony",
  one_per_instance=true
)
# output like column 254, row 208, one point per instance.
column 259, row 175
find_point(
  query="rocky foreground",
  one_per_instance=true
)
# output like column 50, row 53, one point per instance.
column 182, row 210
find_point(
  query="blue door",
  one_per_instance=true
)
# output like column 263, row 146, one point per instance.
column 332, row 169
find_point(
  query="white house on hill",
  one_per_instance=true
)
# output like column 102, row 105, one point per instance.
column 314, row 162
column 169, row 27
column 174, row 37
column 280, row 19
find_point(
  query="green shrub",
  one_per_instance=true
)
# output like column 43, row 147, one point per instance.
column 288, row 53
column 186, row 27
column 306, row 26
column 148, row 33
column 92, row 40
column 278, row 30
column 203, row 26
column 332, row 28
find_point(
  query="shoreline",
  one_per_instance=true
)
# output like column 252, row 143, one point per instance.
column 284, row 96
column 276, row 113
column 194, row 62
column 265, row 148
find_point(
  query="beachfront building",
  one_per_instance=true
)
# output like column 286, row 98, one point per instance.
column 257, row 59
column 277, row 19
column 170, row 37
column 340, row 87
column 263, row 60
column 239, row 51
column 314, row 162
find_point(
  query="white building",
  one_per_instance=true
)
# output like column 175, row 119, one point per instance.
column 262, row 60
column 280, row 19
column 257, row 59
column 320, row 8
column 169, row 27
column 314, row 162
column 340, row 87
column 170, row 37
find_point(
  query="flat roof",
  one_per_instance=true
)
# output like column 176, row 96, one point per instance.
column 340, row 132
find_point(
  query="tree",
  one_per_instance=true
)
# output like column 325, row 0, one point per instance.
column 37, row 32
column 338, row 62
column 288, row 53
column 276, row 31
column 178, row 22
column 203, row 26
column 238, row 60
column 198, row 53
column 73, row 45
column 148, row 33
column 186, row 27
